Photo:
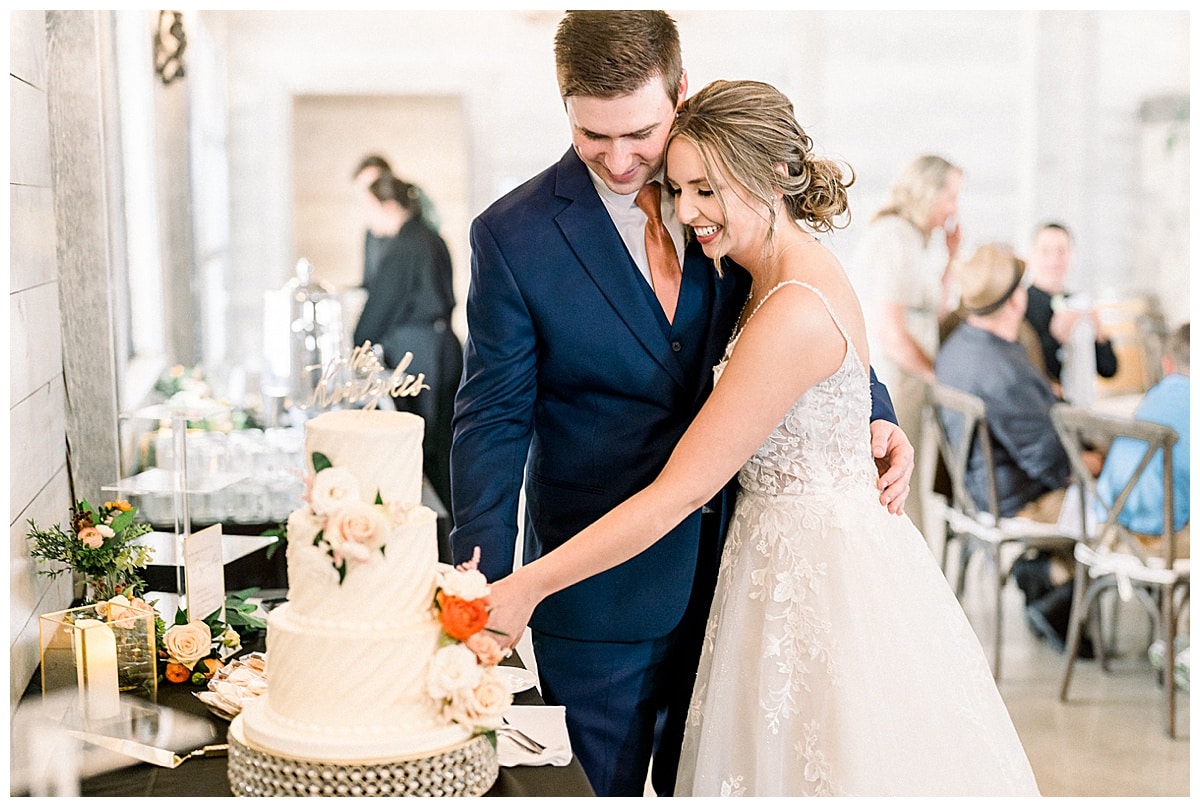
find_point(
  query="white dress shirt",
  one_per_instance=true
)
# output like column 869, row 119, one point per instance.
column 630, row 221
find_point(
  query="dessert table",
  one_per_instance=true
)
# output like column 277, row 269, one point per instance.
column 206, row 776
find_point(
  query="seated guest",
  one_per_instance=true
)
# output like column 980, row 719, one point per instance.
column 1166, row 403
column 1050, row 314
column 984, row 357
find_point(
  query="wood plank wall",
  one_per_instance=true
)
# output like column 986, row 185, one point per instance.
column 38, row 476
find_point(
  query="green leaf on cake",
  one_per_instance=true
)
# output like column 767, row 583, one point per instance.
column 320, row 462
column 378, row 498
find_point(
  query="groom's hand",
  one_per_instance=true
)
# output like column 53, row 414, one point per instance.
column 894, row 458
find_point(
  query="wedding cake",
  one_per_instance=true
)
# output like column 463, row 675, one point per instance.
column 379, row 672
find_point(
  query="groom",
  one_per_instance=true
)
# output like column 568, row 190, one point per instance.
column 578, row 382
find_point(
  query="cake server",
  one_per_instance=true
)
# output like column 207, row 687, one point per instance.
column 162, row 757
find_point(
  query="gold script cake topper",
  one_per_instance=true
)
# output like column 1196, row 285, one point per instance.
column 362, row 379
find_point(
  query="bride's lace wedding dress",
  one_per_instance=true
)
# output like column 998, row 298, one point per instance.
column 836, row 659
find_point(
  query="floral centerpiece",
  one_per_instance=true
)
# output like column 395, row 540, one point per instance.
column 462, row 674
column 98, row 546
column 192, row 650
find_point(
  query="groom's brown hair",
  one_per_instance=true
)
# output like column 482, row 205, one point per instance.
column 605, row 54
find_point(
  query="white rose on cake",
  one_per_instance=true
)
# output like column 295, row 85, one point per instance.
column 484, row 705
column 332, row 488
column 356, row 529
column 453, row 669
column 469, row 584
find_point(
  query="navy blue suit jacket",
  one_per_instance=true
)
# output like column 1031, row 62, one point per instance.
column 571, row 384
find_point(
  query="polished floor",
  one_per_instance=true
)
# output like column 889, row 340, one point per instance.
column 1108, row 738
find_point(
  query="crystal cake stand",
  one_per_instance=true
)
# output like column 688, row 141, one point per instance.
column 467, row 769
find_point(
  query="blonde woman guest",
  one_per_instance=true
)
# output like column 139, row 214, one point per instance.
column 904, row 274
column 836, row 659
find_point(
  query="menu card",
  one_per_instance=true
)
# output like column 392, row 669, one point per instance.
column 204, row 571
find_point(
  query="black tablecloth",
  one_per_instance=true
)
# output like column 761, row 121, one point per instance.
column 206, row 776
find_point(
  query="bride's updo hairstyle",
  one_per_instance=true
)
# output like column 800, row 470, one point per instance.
column 752, row 128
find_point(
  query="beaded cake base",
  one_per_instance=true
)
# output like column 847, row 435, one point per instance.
column 467, row 769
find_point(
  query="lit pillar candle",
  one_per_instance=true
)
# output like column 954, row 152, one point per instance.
column 96, row 663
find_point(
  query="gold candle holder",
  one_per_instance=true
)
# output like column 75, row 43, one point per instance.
column 99, row 651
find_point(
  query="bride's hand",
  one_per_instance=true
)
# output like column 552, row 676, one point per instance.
column 511, row 607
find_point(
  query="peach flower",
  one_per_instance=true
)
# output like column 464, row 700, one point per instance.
column 91, row 537
column 486, row 648
column 355, row 529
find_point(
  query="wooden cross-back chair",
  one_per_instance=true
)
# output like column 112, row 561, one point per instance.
column 1109, row 556
column 960, row 424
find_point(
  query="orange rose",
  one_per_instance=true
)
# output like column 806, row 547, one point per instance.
column 461, row 618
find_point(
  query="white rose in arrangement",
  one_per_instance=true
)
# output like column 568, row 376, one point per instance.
column 356, row 529
column 331, row 488
column 452, row 669
column 187, row 644
column 467, row 585
column 105, row 530
column 482, row 707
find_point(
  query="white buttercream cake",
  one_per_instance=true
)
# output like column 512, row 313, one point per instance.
column 348, row 653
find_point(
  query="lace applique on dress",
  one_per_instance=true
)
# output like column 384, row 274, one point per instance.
column 836, row 659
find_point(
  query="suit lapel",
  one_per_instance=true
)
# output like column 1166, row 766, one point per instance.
column 586, row 225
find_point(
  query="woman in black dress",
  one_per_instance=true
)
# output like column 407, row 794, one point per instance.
column 410, row 298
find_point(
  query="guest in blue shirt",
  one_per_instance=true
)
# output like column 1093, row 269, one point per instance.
column 1167, row 403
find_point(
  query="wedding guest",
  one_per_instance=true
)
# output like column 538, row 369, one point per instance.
column 1049, row 313
column 985, row 357
column 906, row 279
column 410, row 300
column 593, row 327
column 1168, row 403
column 369, row 169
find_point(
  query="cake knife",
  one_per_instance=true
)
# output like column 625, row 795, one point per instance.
column 148, row 753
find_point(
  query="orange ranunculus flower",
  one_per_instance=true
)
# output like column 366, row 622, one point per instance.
column 461, row 618
column 176, row 673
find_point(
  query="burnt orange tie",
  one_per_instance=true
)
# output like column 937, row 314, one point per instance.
column 665, row 274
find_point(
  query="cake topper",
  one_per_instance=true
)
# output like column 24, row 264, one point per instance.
column 362, row 379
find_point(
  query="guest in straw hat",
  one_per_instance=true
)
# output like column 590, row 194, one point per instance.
column 984, row 356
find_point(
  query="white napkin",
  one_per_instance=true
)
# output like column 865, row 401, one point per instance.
column 547, row 725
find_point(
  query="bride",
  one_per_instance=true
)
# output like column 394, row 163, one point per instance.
column 836, row 659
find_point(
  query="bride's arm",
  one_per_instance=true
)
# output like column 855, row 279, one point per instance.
column 790, row 344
